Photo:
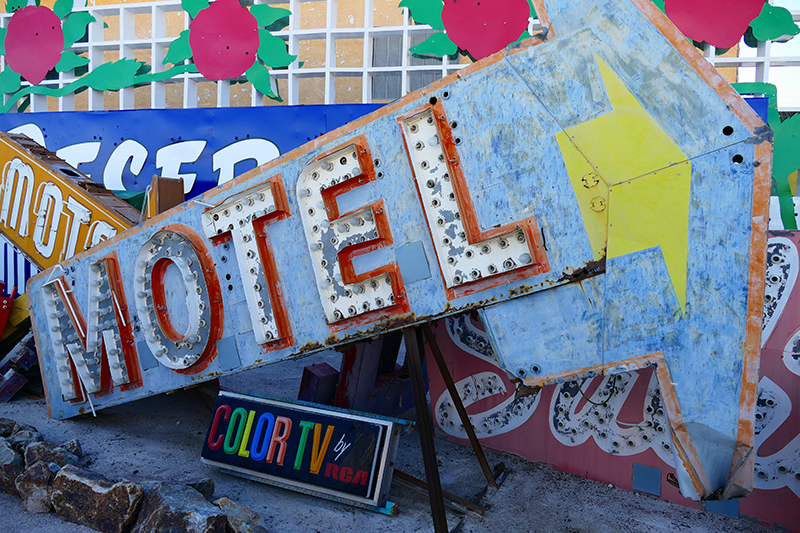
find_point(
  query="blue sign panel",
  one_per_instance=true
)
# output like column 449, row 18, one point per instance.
column 206, row 147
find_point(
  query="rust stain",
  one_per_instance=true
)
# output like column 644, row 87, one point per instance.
column 591, row 269
column 524, row 390
column 310, row 346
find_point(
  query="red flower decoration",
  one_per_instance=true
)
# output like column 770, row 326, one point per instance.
column 718, row 22
column 34, row 41
column 224, row 40
column 482, row 27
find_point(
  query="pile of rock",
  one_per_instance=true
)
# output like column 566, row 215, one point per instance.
column 48, row 477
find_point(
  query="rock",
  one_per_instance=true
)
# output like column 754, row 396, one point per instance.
column 8, row 477
column 10, row 467
column 7, row 427
column 242, row 519
column 87, row 498
column 20, row 439
column 19, row 426
column 175, row 507
column 55, row 468
column 202, row 484
column 35, row 488
column 41, row 451
column 7, row 454
column 73, row 447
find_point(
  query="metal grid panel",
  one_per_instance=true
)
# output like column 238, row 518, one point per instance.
column 145, row 30
column 142, row 31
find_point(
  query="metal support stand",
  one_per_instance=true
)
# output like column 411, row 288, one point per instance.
column 459, row 405
column 414, row 351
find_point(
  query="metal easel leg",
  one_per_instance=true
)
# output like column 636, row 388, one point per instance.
column 414, row 347
column 459, row 405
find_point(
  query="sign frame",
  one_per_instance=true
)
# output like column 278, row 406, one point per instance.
column 383, row 457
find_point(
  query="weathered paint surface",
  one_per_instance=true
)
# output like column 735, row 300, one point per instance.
column 463, row 196
column 603, row 427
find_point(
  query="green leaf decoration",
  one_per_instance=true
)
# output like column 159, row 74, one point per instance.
column 144, row 69
column 179, row 49
column 438, row 44
column 426, row 12
column 70, row 60
column 75, row 27
column 266, row 15
column 62, row 8
column 112, row 76
column 774, row 22
column 14, row 5
column 2, row 41
column 24, row 104
column 660, row 5
column 259, row 76
column 273, row 51
column 107, row 77
column 9, row 81
column 193, row 7
column 533, row 10
column 167, row 74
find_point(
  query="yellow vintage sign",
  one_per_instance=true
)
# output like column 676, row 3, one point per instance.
column 49, row 210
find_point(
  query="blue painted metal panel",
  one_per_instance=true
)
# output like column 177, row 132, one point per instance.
column 729, row 508
column 647, row 479
column 287, row 127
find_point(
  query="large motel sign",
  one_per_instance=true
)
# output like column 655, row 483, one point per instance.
column 599, row 194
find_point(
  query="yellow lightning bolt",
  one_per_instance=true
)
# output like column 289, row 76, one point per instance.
column 632, row 182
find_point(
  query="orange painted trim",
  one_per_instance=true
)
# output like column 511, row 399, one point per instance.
column 684, row 446
column 274, row 286
column 127, row 344
column 680, row 435
column 160, row 301
column 633, row 363
column 708, row 73
column 346, row 255
column 740, row 477
column 215, row 306
column 469, row 216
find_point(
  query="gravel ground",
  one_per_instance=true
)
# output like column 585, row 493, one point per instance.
column 162, row 436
